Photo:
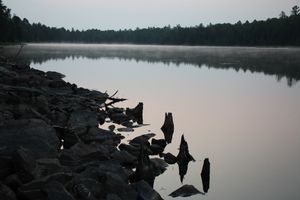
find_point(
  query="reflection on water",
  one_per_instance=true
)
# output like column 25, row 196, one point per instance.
column 205, row 175
column 243, row 120
column 281, row 62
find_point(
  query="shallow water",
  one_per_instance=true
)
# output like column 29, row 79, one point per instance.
column 240, row 107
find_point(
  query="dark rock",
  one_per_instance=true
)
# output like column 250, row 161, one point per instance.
column 48, row 166
column 118, row 116
column 142, row 139
column 112, row 197
column 57, row 84
column 81, row 153
column 87, row 188
column 124, row 157
column 144, row 169
column 146, row 192
column 34, row 189
column 159, row 166
column 68, row 137
column 170, row 158
column 97, row 170
column 116, row 185
column 56, row 191
column 168, row 127
column 101, row 136
column 126, row 129
column 6, row 193
column 133, row 150
column 183, row 158
column 185, row 191
column 183, row 168
column 13, row 181
column 111, row 127
column 158, row 146
column 54, row 75
column 32, row 134
column 83, row 118
column 113, row 167
column 205, row 175
column 25, row 164
column 184, row 154
column 136, row 114
column 160, row 142
column 6, row 166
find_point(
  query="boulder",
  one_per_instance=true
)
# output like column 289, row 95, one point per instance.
column 25, row 164
column 159, row 166
column 6, row 193
column 32, row 134
column 158, row 146
column 6, row 166
column 34, row 189
column 81, row 153
column 56, row 191
column 83, row 118
column 145, row 191
column 101, row 136
column 13, row 181
column 124, row 157
column 87, row 188
column 54, row 75
column 170, row 158
column 112, row 197
column 116, row 185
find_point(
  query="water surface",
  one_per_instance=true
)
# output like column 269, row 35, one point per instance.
column 240, row 107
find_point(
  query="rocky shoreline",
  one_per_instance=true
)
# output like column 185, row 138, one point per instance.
column 51, row 146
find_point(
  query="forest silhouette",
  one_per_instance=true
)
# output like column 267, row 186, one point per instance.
column 281, row 31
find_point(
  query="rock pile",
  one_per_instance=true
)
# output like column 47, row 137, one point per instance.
column 51, row 146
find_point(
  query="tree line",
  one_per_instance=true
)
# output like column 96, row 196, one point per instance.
column 281, row 31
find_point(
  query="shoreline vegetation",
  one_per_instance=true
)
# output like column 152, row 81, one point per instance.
column 282, row 31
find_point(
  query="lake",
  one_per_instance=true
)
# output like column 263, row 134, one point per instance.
column 237, row 106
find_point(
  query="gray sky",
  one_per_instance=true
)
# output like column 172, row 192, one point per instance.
column 121, row 14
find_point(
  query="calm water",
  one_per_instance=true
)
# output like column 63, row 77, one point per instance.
column 240, row 107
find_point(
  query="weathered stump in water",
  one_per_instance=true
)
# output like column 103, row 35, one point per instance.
column 168, row 127
column 205, row 175
column 136, row 113
column 183, row 158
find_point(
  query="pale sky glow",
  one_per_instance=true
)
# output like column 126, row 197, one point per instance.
column 121, row 14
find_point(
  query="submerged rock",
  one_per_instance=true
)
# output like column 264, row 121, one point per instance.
column 185, row 191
